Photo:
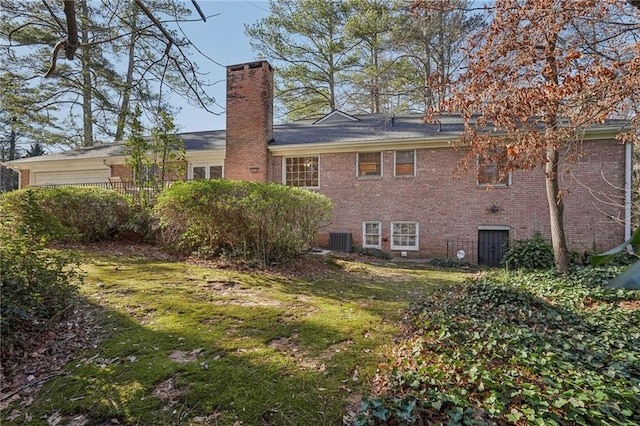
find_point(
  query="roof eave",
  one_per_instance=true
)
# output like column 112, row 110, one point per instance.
column 444, row 141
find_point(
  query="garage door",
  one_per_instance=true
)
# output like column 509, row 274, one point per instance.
column 68, row 177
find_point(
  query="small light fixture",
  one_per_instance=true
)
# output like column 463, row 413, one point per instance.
column 494, row 209
column 254, row 169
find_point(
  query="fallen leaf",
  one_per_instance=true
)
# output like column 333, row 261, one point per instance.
column 54, row 419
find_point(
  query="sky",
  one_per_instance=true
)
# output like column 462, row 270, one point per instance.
column 222, row 39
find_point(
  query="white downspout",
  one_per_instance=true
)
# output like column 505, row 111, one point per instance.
column 628, row 166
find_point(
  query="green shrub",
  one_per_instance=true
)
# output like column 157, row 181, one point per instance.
column 530, row 254
column 36, row 284
column 77, row 213
column 267, row 223
column 516, row 348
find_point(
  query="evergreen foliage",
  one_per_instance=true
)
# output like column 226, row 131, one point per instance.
column 36, row 284
column 69, row 213
column 265, row 223
column 516, row 348
column 530, row 254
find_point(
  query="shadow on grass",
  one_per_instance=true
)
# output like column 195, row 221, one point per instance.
column 140, row 375
column 190, row 344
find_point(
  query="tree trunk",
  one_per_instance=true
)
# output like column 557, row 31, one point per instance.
column 428, row 95
column 556, row 211
column 126, row 93
column 376, row 82
column 87, row 89
column 8, row 177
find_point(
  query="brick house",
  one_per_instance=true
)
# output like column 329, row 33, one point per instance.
column 391, row 178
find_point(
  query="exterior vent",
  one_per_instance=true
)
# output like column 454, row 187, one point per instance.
column 340, row 241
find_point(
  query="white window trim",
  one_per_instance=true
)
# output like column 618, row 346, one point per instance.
column 369, row 177
column 364, row 234
column 395, row 164
column 502, row 185
column 206, row 169
column 478, row 183
column 409, row 248
column 284, row 170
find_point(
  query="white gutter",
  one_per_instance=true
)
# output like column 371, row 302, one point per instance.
column 628, row 166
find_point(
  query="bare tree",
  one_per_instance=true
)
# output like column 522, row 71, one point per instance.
column 543, row 71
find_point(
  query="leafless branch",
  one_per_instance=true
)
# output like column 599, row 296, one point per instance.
column 59, row 45
column 53, row 15
column 195, row 4
column 158, row 24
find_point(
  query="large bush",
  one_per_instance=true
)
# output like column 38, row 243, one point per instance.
column 76, row 213
column 36, row 284
column 268, row 223
column 530, row 254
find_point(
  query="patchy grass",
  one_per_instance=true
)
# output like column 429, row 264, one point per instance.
column 516, row 348
column 190, row 344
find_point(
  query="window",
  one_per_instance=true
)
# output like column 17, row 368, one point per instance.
column 369, row 164
column 302, row 171
column 489, row 173
column 405, row 163
column 205, row 171
column 371, row 234
column 199, row 172
column 148, row 173
column 404, row 235
column 215, row 172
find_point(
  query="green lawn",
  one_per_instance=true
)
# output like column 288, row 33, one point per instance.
column 191, row 344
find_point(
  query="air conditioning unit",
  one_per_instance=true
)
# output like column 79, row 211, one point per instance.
column 340, row 241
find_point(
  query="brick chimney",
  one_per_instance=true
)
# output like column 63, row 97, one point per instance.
column 249, row 120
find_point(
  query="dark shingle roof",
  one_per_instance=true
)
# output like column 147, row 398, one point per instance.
column 193, row 141
column 371, row 127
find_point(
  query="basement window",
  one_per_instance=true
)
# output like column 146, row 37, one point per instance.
column 404, row 235
column 371, row 234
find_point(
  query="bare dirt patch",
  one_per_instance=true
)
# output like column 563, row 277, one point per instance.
column 118, row 248
column 288, row 346
column 168, row 392
column 183, row 357
column 26, row 368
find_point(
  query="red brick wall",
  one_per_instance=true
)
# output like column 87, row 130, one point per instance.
column 249, row 121
column 24, row 178
column 449, row 208
column 122, row 171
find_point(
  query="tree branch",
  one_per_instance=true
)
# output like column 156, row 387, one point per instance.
column 158, row 24
column 72, row 29
column 197, row 6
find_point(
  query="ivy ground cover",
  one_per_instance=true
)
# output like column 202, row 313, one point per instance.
column 516, row 348
column 197, row 344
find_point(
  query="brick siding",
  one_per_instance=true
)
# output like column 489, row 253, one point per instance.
column 450, row 208
column 249, row 121
column 24, row 178
column 122, row 171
